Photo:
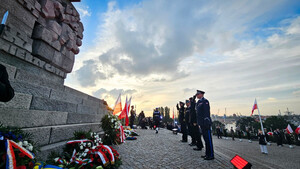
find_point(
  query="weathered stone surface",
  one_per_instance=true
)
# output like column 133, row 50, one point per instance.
column 20, row 101
column 83, row 118
column 53, row 25
column 31, row 118
column 31, row 89
column 87, row 109
column 40, row 32
column 47, row 9
column 65, row 96
column 39, row 103
column 43, row 50
column 11, row 70
column 40, row 135
column 64, row 132
column 91, row 103
column 75, row 92
column 46, row 150
column 32, row 78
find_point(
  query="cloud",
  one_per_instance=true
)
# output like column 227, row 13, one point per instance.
column 232, row 50
column 83, row 10
column 89, row 73
column 114, row 93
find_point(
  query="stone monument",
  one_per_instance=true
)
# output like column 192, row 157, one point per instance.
column 38, row 48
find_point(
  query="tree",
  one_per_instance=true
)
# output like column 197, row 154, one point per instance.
column 249, row 122
column 276, row 122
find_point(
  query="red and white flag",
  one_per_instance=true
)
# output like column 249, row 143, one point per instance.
column 297, row 131
column 289, row 129
column 173, row 114
column 127, row 113
column 123, row 113
column 118, row 106
column 254, row 107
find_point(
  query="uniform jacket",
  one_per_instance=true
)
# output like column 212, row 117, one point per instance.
column 203, row 113
column 6, row 91
column 181, row 117
column 187, row 114
column 193, row 114
column 156, row 116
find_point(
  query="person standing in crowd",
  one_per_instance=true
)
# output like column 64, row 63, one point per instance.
column 132, row 117
column 219, row 132
column 248, row 135
column 195, row 127
column 205, row 122
column 279, row 137
column 239, row 131
column 232, row 133
column 6, row 91
column 182, row 121
column 141, row 117
column 288, row 139
column 188, row 115
column 262, row 142
column 156, row 119
column 267, row 137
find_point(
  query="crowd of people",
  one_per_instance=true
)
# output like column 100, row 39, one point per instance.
column 278, row 136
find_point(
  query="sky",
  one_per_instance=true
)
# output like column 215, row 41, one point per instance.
column 161, row 51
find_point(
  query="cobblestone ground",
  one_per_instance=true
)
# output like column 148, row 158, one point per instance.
column 164, row 150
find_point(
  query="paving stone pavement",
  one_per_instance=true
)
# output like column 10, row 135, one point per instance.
column 165, row 151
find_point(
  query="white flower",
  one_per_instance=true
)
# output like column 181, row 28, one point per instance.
column 89, row 144
column 20, row 143
column 93, row 147
column 84, row 154
column 81, row 147
column 25, row 143
column 56, row 159
column 84, row 144
column 97, row 144
column 30, row 148
column 86, row 150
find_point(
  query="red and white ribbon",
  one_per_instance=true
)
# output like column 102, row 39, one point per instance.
column 110, row 152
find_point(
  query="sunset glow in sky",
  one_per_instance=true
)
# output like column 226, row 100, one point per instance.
column 160, row 52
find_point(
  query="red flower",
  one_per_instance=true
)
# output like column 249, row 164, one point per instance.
column 21, row 167
column 31, row 165
column 21, row 155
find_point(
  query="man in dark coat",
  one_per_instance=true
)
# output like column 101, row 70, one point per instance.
column 187, row 119
column 279, row 137
column 6, row 91
column 182, row 121
column 156, row 119
column 132, row 117
column 205, row 122
column 195, row 128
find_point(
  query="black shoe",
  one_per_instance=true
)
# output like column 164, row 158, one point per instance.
column 197, row 149
column 203, row 156
column 184, row 141
column 192, row 144
column 209, row 158
column 156, row 132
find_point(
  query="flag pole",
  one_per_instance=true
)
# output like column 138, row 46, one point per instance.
column 261, row 124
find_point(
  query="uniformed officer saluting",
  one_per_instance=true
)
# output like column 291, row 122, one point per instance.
column 182, row 121
column 204, row 121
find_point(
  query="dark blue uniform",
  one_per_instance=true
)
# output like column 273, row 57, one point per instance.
column 156, row 118
column 196, row 135
column 204, row 121
column 182, row 122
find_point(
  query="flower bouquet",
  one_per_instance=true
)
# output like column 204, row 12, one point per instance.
column 114, row 133
column 16, row 148
column 86, row 151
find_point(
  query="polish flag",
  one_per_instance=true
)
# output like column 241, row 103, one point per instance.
column 254, row 107
column 297, row 131
column 289, row 129
column 173, row 114
column 127, row 113
column 118, row 106
column 123, row 113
